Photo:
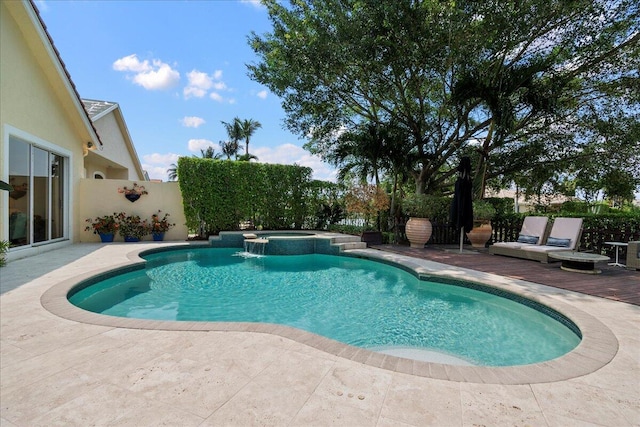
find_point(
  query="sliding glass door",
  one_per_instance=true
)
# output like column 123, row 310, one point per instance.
column 37, row 203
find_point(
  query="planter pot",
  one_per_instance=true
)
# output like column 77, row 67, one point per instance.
column 418, row 231
column 132, row 197
column 131, row 239
column 480, row 235
column 17, row 194
column 158, row 237
column 106, row 237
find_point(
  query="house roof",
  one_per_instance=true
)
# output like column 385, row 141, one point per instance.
column 96, row 109
column 54, row 54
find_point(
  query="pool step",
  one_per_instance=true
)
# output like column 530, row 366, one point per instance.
column 344, row 239
column 346, row 246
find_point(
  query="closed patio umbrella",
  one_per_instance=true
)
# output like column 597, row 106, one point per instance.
column 461, row 207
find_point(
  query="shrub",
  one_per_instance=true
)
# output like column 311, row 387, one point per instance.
column 219, row 194
column 132, row 226
column 106, row 224
column 4, row 247
column 419, row 205
column 160, row 225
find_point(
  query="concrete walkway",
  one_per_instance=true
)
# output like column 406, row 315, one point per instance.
column 55, row 371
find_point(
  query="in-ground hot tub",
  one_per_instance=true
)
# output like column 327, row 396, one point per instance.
column 289, row 242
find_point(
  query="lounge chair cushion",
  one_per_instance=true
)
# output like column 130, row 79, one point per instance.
column 523, row 238
column 554, row 241
column 534, row 226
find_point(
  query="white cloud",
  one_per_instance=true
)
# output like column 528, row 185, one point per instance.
column 195, row 145
column 262, row 94
column 199, row 79
column 219, row 86
column 161, row 159
column 255, row 3
column 192, row 91
column 131, row 63
column 289, row 154
column 200, row 83
column 151, row 76
column 192, row 121
column 156, row 164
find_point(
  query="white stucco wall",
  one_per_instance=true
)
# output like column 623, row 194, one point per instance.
column 100, row 197
column 112, row 132
column 35, row 104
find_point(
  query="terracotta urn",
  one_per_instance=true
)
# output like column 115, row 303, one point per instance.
column 418, row 231
column 480, row 235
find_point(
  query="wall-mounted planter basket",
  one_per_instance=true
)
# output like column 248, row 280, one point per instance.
column 17, row 194
column 132, row 197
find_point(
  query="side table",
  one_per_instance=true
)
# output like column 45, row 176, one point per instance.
column 578, row 262
column 617, row 246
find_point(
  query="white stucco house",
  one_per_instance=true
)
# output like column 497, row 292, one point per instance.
column 50, row 139
column 117, row 157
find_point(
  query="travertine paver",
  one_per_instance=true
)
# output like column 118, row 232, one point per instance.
column 55, row 371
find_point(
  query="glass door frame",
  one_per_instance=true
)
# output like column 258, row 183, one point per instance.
column 66, row 199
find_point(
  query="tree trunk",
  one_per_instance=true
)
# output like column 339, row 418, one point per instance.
column 480, row 183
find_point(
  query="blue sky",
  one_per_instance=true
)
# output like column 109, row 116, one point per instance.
column 177, row 69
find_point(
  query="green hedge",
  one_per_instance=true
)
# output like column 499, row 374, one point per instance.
column 219, row 194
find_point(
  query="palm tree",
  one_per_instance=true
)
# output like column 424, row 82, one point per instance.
column 247, row 157
column 234, row 130
column 172, row 172
column 210, row 153
column 229, row 148
column 248, row 126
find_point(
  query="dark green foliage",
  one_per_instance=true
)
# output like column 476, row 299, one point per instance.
column 577, row 206
column 501, row 204
column 218, row 195
column 532, row 87
column 441, row 209
column 355, row 230
column 329, row 214
column 4, row 247
column 325, row 204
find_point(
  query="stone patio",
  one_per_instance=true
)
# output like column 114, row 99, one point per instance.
column 56, row 371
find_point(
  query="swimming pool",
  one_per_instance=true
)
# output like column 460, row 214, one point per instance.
column 355, row 301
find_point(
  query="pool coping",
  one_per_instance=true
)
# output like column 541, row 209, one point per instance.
column 596, row 349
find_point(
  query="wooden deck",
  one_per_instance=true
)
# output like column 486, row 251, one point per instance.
column 614, row 283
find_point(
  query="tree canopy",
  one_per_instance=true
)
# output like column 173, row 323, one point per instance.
column 520, row 85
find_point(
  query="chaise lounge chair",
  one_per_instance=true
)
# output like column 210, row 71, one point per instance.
column 633, row 256
column 533, row 232
column 564, row 236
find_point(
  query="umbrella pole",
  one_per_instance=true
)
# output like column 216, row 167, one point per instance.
column 461, row 238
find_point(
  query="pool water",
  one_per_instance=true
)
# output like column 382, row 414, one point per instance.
column 358, row 302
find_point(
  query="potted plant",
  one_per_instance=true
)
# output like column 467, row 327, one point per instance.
column 4, row 247
column 160, row 225
column 419, row 208
column 132, row 194
column 483, row 213
column 105, row 226
column 132, row 227
column 366, row 201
